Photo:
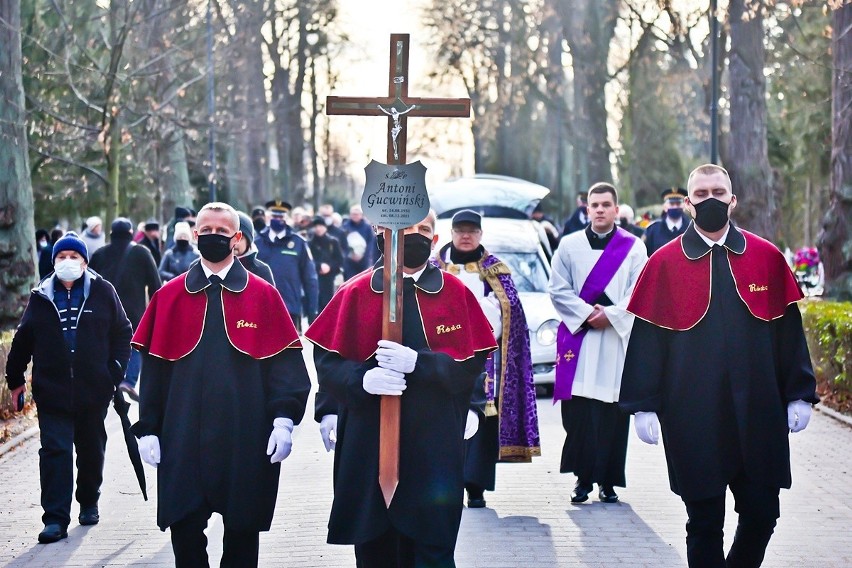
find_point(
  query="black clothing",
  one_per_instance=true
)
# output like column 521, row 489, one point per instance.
column 658, row 233
column 721, row 388
column 64, row 381
column 482, row 452
column 213, row 411
column 326, row 250
column 595, row 446
column 61, row 433
column 45, row 262
column 578, row 221
column 395, row 550
column 240, row 548
column 460, row 257
column 758, row 509
column 132, row 271
column 257, row 267
column 153, row 247
column 427, row 505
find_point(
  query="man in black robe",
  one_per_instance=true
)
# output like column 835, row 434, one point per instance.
column 445, row 341
column 223, row 373
column 718, row 361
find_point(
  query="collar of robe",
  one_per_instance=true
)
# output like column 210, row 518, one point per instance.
column 694, row 247
column 431, row 281
column 236, row 280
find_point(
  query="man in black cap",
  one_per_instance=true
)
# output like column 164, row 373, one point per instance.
column 258, row 219
column 579, row 219
column 672, row 222
column 289, row 257
column 246, row 251
column 151, row 240
column 131, row 269
column 328, row 260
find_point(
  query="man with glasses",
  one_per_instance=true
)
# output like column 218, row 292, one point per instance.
column 510, row 430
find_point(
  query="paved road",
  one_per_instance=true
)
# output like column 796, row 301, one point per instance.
column 529, row 520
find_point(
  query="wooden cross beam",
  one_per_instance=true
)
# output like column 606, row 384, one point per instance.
column 397, row 107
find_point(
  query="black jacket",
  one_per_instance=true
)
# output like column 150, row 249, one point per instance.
column 326, row 249
column 132, row 271
column 62, row 382
column 257, row 267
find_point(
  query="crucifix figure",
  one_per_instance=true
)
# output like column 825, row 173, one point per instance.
column 397, row 107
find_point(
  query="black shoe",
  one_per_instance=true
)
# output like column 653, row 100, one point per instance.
column 581, row 492
column 475, row 503
column 475, row 499
column 128, row 389
column 607, row 494
column 89, row 516
column 52, row 533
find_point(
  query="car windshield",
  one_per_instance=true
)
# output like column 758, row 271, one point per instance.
column 528, row 271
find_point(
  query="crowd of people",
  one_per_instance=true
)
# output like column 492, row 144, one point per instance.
column 690, row 324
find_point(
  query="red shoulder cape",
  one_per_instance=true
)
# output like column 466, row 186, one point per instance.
column 453, row 322
column 256, row 321
column 673, row 291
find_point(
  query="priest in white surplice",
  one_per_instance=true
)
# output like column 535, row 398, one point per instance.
column 594, row 271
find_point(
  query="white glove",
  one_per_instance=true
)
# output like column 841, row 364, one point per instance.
column 472, row 425
column 396, row 357
column 384, row 381
column 280, row 440
column 149, row 450
column 798, row 415
column 647, row 427
column 328, row 431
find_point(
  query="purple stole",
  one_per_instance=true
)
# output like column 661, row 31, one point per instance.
column 568, row 344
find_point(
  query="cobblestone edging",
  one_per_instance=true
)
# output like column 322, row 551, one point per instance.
column 18, row 440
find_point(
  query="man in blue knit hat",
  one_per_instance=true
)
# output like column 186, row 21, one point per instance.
column 75, row 331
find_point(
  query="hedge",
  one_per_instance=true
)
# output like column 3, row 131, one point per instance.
column 828, row 327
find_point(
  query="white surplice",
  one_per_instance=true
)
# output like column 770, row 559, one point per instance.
column 601, row 360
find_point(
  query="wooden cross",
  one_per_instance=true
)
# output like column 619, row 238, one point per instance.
column 397, row 107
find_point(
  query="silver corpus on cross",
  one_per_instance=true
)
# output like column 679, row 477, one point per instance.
column 395, row 114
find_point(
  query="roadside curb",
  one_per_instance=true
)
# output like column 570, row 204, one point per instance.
column 18, row 440
column 840, row 417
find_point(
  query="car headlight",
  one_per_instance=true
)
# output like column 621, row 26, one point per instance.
column 546, row 332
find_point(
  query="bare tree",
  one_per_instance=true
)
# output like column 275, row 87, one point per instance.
column 589, row 26
column 17, row 233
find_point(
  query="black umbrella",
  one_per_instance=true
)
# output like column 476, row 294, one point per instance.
column 121, row 406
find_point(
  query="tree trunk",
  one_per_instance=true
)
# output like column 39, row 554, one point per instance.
column 17, row 232
column 747, row 158
column 589, row 26
column 174, row 181
column 834, row 242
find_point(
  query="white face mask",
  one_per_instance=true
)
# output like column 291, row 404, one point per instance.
column 68, row 270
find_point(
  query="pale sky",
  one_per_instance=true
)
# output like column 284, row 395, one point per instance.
column 369, row 25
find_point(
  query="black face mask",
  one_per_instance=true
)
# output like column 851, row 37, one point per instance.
column 711, row 214
column 675, row 213
column 182, row 245
column 214, row 248
column 416, row 249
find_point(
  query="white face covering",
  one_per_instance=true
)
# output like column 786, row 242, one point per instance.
column 68, row 270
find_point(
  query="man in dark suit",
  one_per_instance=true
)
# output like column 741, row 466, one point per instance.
column 672, row 222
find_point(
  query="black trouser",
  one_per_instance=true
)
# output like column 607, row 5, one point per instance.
column 297, row 321
column 326, row 290
column 758, row 509
column 482, row 452
column 395, row 550
column 61, row 434
column 189, row 543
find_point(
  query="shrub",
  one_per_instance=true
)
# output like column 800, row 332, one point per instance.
column 828, row 327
